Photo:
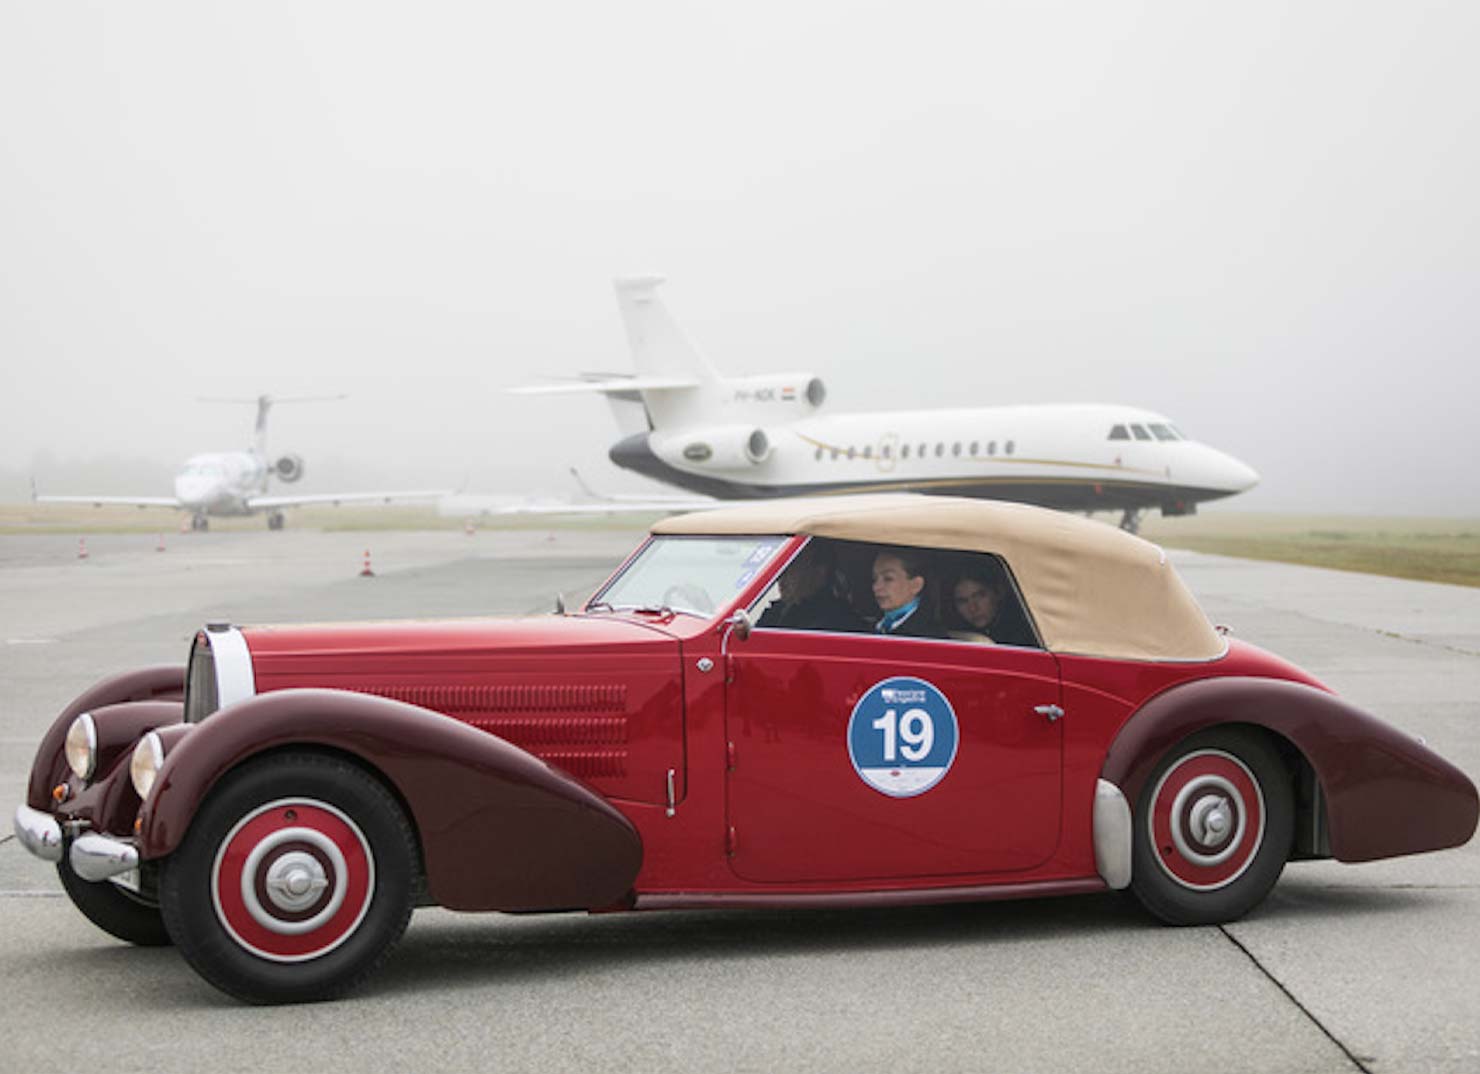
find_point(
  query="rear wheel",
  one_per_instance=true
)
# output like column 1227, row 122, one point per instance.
column 113, row 909
column 1213, row 829
column 293, row 881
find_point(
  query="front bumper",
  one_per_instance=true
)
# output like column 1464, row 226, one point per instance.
column 39, row 833
column 93, row 857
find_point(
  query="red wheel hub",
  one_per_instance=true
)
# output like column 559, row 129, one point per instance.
column 1207, row 819
column 293, row 880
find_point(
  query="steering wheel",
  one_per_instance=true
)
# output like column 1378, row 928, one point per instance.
column 688, row 596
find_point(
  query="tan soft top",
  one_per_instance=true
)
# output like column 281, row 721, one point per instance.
column 1092, row 589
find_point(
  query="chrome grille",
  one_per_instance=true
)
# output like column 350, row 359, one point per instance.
column 201, row 694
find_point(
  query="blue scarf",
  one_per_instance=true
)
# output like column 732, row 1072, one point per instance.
column 897, row 616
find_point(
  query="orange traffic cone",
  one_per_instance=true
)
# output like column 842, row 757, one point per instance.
column 82, row 548
column 365, row 571
column 159, row 544
column 184, row 525
column 468, row 527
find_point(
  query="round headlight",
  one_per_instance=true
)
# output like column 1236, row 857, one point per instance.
column 144, row 766
column 82, row 746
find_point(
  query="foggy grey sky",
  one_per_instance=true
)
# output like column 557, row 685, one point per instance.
column 1260, row 219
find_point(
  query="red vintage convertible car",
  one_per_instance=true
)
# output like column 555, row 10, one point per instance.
column 852, row 701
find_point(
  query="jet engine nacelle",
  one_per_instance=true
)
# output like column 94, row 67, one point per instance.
column 791, row 394
column 724, row 447
column 288, row 468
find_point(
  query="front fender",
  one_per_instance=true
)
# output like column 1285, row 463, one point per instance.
column 160, row 683
column 499, row 829
column 1386, row 793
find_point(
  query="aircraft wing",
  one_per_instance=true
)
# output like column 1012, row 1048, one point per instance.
column 498, row 505
column 270, row 502
column 100, row 501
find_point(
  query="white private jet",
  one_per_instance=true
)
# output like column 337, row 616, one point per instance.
column 230, row 483
column 761, row 436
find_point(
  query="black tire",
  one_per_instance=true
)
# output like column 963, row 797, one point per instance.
column 293, row 882
column 1213, row 828
column 114, row 910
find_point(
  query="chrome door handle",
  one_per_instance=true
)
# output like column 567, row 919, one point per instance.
column 1053, row 712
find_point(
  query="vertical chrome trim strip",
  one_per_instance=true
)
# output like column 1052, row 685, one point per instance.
column 1113, row 834
column 233, row 661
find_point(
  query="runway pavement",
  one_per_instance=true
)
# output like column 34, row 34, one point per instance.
column 1344, row 968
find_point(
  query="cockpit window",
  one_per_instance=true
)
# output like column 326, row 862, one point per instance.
column 1163, row 432
column 688, row 574
column 1140, row 431
column 1118, row 432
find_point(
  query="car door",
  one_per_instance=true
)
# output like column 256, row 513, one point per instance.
column 879, row 758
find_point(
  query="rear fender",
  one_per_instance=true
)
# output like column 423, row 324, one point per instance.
column 162, row 683
column 499, row 829
column 1386, row 793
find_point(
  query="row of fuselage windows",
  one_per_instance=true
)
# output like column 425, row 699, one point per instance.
column 1149, row 431
column 886, row 451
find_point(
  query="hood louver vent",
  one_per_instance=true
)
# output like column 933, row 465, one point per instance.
column 580, row 728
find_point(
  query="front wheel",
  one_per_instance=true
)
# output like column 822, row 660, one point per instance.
column 1213, row 828
column 113, row 909
column 293, row 881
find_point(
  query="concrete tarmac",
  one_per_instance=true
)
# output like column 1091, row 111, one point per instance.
column 1343, row 968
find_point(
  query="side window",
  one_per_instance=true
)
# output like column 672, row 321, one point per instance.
column 814, row 592
column 1118, row 432
column 857, row 587
column 1140, row 431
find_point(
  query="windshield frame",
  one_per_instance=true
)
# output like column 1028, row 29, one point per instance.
column 785, row 546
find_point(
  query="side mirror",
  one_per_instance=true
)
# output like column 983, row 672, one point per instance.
column 740, row 623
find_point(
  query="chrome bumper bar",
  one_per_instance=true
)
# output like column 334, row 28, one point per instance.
column 96, row 857
column 93, row 857
column 39, row 833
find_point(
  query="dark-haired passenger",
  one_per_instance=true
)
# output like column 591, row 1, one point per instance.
column 902, row 591
column 977, row 599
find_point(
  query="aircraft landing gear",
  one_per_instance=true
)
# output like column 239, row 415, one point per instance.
column 199, row 521
column 1130, row 521
column 274, row 520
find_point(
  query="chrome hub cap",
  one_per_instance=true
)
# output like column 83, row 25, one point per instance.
column 1207, row 819
column 293, row 880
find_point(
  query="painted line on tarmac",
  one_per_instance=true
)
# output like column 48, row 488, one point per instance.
column 1355, row 1060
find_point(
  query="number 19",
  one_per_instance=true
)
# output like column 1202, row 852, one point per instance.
column 915, row 730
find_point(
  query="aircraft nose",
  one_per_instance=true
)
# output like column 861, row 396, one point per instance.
column 1233, row 474
column 189, row 490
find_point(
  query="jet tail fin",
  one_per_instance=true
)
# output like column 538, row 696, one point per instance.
column 675, row 385
column 659, row 347
column 265, row 403
column 661, row 351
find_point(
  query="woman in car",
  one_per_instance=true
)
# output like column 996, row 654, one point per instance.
column 903, row 594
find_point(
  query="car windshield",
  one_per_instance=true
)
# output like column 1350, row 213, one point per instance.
column 689, row 574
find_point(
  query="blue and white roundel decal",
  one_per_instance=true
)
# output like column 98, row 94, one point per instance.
column 902, row 737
